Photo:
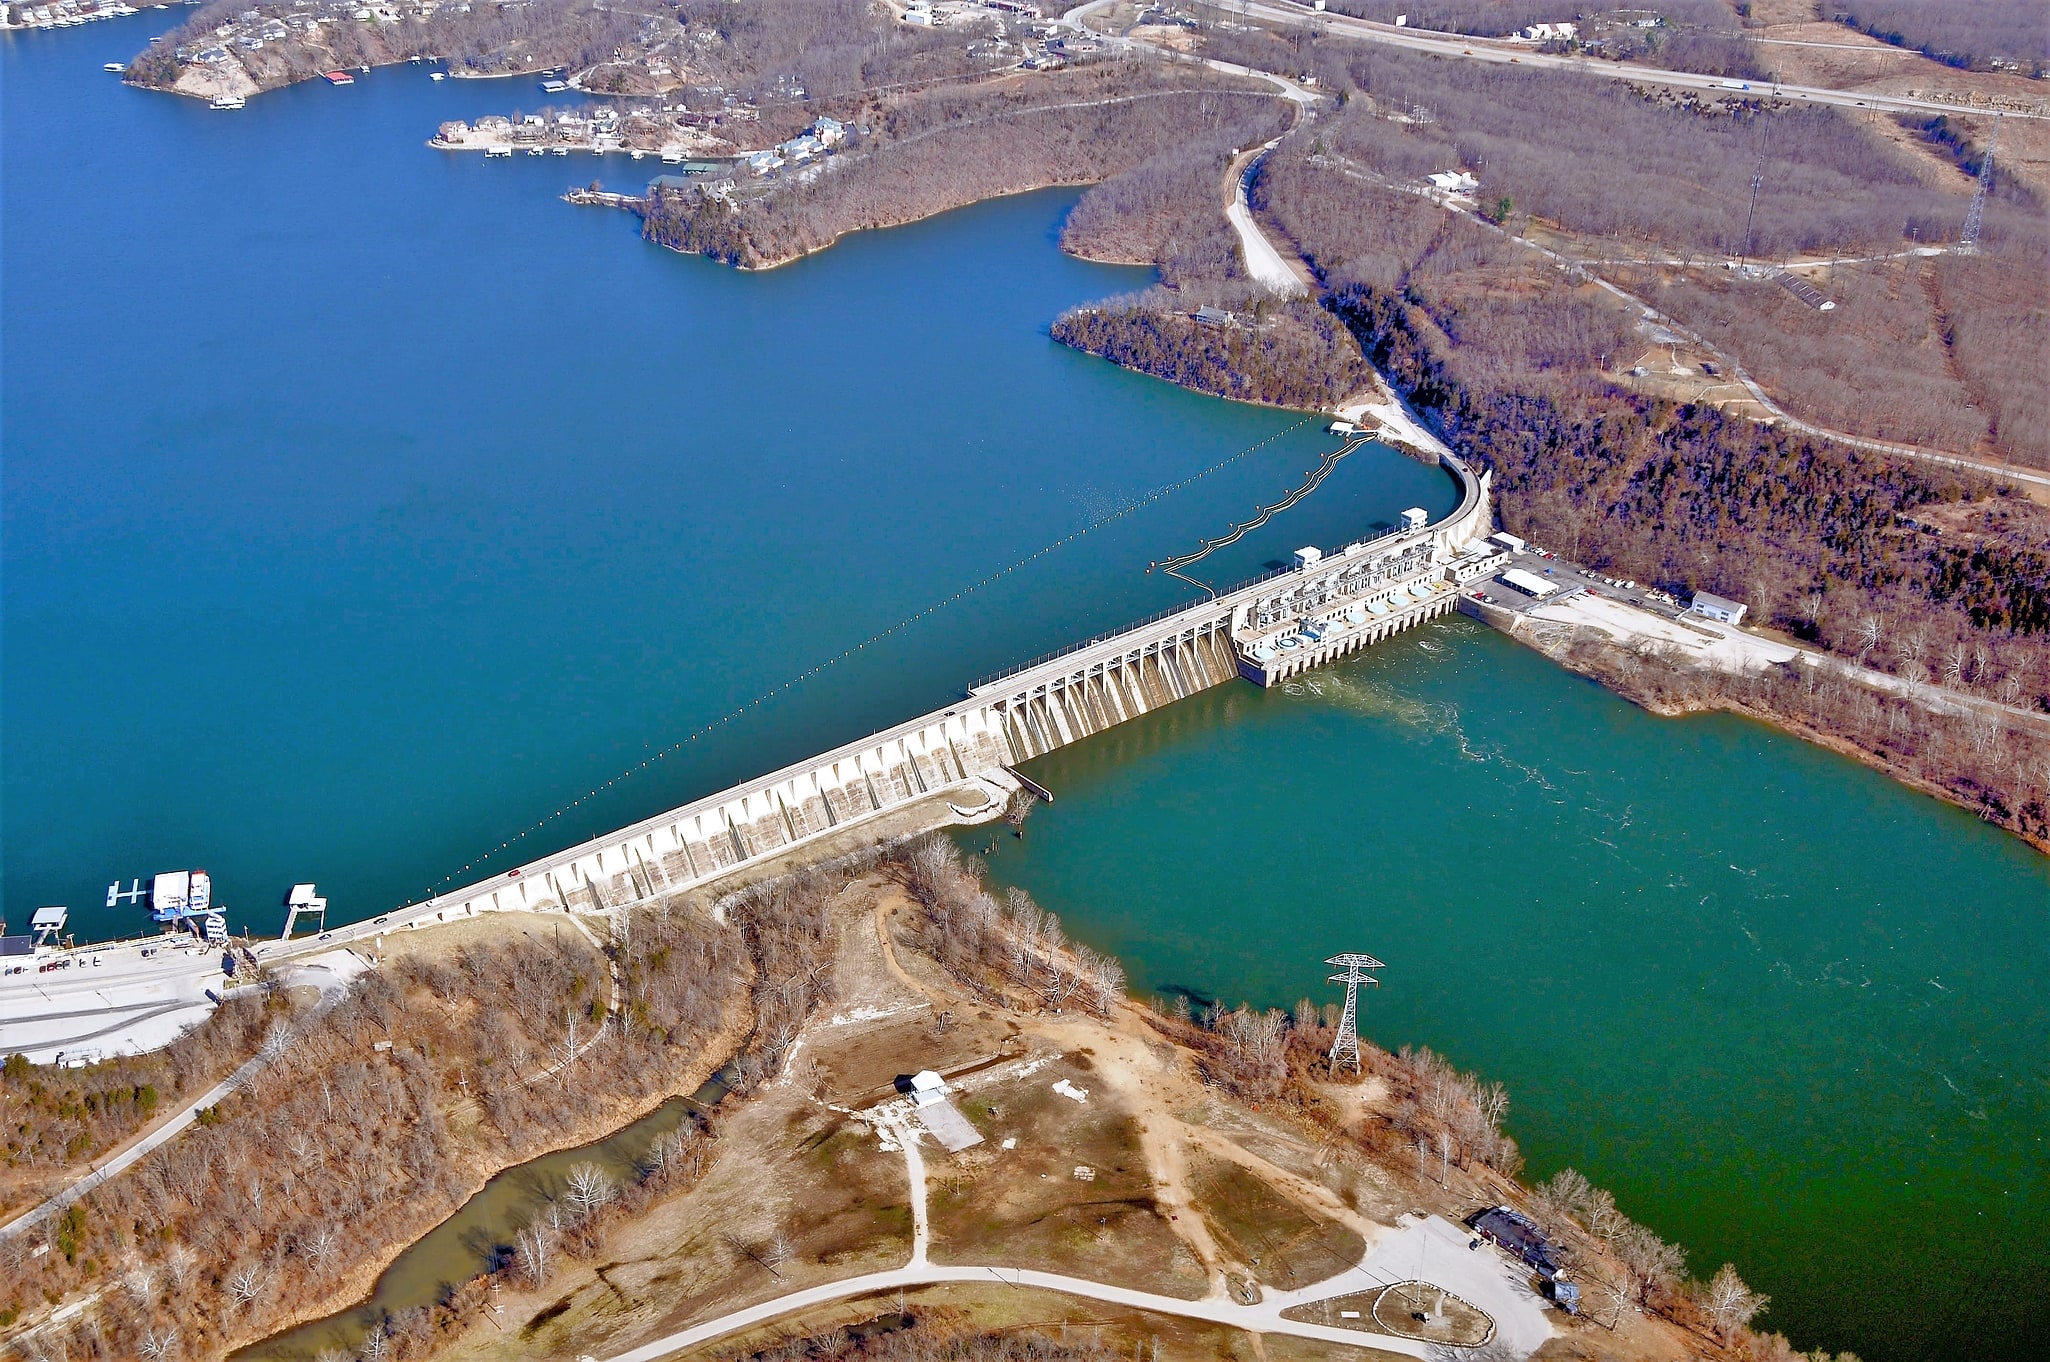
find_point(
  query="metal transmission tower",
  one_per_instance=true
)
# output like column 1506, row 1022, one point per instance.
column 1968, row 240
column 1757, row 183
column 1346, row 1048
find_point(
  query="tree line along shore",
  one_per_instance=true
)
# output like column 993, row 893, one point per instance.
column 481, row 1044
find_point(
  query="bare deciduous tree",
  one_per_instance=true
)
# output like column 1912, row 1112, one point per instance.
column 589, row 1187
column 1730, row 1303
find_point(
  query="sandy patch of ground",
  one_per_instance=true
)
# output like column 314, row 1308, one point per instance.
column 225, row 81
column 1398, row 425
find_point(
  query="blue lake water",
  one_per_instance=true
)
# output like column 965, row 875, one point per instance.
column 360, row 505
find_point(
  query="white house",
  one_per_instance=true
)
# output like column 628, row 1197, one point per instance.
column 1454, row 181
column 1550, row 33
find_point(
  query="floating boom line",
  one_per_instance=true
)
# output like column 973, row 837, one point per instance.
column 1173, row 566
column 791, row 683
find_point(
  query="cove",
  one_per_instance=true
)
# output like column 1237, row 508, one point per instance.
column 1786, row 1009
column 364, row 504
column 471, row 1241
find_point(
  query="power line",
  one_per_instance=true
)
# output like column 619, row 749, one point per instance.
column 1345, row 1049
column 1975, row 216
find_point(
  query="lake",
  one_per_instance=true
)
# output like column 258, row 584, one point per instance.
column 363, row 505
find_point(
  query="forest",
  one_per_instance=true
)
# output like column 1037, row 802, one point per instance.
column 1603, row 160
column 379, row 1117
column 1975, row 35
column 1654, row 195
column 956, row 145
column 1283, row 353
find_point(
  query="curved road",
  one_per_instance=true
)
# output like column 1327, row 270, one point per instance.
column 1521, row 1325
column 1484, row 50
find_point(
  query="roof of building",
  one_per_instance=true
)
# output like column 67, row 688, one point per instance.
column 1517, row 1233
column 1709, row 598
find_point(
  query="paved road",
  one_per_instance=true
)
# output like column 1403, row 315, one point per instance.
column 1263, row 1318
column 1499, row 53
column 1482, row 1278
column 1629, row 615
column 1268, row 267
column 333, row 984
column 1481, row 50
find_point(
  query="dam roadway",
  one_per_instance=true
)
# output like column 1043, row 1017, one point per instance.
column 1265, row 631
column 1324, row 607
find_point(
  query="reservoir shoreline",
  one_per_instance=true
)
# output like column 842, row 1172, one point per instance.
column 506, row 781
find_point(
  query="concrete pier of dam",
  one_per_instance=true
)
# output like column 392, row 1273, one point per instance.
column 949, row 766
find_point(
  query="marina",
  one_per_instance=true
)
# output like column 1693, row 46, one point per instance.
column 68, row 1003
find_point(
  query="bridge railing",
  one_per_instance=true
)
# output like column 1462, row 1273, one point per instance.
column 1184, row 608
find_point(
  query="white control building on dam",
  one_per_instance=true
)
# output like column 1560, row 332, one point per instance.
column 1324, row 607
column 77, row 1004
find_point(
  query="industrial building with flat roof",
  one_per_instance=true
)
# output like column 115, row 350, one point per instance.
column 1716, row 607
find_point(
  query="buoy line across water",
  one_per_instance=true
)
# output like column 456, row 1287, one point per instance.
column 800, row 678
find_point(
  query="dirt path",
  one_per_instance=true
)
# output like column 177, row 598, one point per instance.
column 1147, row 1075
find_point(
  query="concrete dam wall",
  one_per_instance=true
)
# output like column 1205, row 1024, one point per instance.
column 1271, row 629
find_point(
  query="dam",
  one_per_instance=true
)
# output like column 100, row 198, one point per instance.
column 1322, row 607
column 76, row 1004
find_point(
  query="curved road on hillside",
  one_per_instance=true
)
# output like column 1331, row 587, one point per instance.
column 1464, row 48
column 1269, row 267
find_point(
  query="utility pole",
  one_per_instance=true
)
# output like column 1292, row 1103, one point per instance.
column 1346, row 1048
column 1968, row 240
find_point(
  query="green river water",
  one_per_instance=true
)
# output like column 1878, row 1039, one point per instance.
column 1786, row 1009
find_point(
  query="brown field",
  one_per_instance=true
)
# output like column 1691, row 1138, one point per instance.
column 1027, row 1207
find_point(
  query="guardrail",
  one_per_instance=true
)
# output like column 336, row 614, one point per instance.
column 1158, row 616
column 1105, row 637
